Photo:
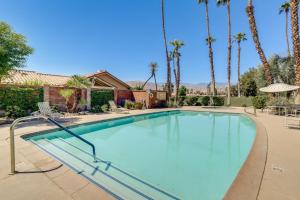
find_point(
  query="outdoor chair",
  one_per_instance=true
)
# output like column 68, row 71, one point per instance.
column 292, row 120
column 45, row 110
column 116, row 109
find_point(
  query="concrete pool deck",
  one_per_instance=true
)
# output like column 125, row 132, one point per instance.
column 42, row 177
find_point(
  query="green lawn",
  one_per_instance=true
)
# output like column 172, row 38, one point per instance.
column 240, row 101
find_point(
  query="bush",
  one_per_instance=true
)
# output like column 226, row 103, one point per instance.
column 129, row 104
column 218, row 101
column 104, row 108
column 205, row 100
column 191, row 101
column 101, row 97
column 138, row 105
column 14, row 112
column 259, row 102
column 96, row 109
column 24, row 98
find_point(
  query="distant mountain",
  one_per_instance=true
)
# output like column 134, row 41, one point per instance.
column 197, row 86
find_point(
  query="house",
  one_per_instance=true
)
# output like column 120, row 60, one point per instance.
column 100, row 79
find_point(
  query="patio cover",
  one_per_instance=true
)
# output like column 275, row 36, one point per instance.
column 279, row 87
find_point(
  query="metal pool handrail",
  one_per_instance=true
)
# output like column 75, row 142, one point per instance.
column 12, row 138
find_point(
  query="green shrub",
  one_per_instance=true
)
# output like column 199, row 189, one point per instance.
column 191, row 100
column 198, row 102
column 104, row 108
column 205, row 100
column 96, row 109
column 218, row 101
column 138, row 105
column 129, row 104
column 162, row 104
column 101, row 97
column 259, row 102
column 25, row 98
column 15, row 112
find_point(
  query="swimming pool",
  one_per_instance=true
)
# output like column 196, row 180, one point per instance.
column 166, row 155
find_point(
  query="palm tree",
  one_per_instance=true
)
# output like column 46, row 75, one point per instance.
column 238, row 38
column 227, row 3
column 253, row 27
column 285, row 8
column 177, row 44
column 168, row 84
column 295, row 30
column 210, row 50
column 153, row 68
column 80, row 82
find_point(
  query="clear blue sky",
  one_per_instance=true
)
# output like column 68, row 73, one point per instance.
column 123, row 37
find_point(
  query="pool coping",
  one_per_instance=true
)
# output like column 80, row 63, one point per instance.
column 247, row 183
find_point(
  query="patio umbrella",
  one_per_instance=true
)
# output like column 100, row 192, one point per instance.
column 279, row 87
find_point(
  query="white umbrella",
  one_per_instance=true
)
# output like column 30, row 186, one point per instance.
column 279, row 87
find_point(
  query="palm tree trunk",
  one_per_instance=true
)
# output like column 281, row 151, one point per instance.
column 147, row 81
column 177, row 76
column 166, row 49
column 211, row 56
column 253, row 27
column 155, row 81
column 239, row 69
column 296, row 44
column 229, row 54
column 287, row 33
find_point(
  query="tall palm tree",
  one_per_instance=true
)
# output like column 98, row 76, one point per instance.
column 177, row 44
column 253, row 27
column 166, row 49
column 210, row 50
column 285, row 8
column 227, row 3
column 153, row 68
column 238, row 38
column 295, row 31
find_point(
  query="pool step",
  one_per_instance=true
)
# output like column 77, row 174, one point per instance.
column 124, row 185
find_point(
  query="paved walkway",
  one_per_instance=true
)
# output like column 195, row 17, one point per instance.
column 45, row 178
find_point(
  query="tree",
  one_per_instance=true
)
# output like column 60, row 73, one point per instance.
column 255, row 37
column 238, row 38
column 169, row 82
column 285, row 8
column 227, row 3
column 177, row 44
column 295, row 31
column 182, row 91
column 209, row 43
column 66, row 94
column 13, row 50
column 80, row 82
column 248, row 84
column 153, row 68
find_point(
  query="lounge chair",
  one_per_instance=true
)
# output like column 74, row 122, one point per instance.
column 292, row 120
column 114, row 108
column 45, row 110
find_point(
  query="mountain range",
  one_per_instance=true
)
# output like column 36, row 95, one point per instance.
column 194, row 86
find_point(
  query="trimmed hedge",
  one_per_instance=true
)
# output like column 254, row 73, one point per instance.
column 101, row 97
column 24, row 98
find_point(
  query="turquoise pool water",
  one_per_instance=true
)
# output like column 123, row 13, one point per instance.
column 168, row 155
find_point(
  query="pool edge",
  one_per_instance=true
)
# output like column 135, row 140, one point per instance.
column 247, row 182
